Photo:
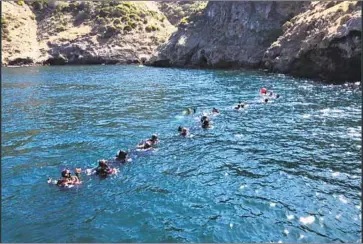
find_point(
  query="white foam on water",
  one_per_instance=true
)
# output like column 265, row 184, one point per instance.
column 338, row 216
column 272, row 204
column 301, row 236
column 317, row 193
column 286, row 231
column 307, row 220
column 231, row 225
column 343, row 199
column 358, row 207
column 238, row 135
column 290, row 217
column 179, row 117
column 305, row 116
column 335, row 174
column 242, row 187
column 225, row 174
column 279, row 242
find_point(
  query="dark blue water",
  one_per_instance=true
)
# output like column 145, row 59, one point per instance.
column 286, row 171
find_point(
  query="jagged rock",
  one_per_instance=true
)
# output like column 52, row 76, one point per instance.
column 227, row 34
column 323, row 42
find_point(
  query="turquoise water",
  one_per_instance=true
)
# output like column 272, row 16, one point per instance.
column 286, row 171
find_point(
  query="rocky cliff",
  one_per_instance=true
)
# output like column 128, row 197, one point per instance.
column 78, row 32
column 323, row 42
column 19, row 33
column 227, row 34
column 307, row 39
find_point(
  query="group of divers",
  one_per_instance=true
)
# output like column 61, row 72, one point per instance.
column 107, row 167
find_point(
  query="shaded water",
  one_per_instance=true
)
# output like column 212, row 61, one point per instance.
column 287, row 171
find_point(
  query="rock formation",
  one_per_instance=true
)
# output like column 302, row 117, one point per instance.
column 323, row 42
column 227, row 34
column 83, row 32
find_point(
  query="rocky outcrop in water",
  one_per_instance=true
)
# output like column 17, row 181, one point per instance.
column 323, row 42
column 227, row 34
column 306, row 39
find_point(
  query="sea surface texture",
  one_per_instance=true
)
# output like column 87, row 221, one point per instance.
column 286, row 171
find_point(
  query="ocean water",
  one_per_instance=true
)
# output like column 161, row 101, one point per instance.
column 286, row 171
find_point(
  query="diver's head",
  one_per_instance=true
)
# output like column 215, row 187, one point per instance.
column 102, row 163
column 266, row 100
column 121, row 154
column 205, row 123
column 204, row 117
column 277, row 95
column 180, row 128
column 66, row 173
column 184, row 131
column 154, row 137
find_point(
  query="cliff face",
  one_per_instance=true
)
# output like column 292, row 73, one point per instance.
column 19, row 34
column 87, row 32
column 227, row 34
column 323, row 42
column 176, row 11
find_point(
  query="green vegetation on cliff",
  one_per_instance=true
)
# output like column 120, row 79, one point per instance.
column 178, row 11
column 108, row 18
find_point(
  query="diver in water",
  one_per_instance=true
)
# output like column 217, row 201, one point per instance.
column 148, row 143
column 277, row 96
column 121, row 156
column 103, row 169
column 238, row 107
column 190, row 111
column 204, row 117
column 215, row 111
column 66, row 178
column 206, row 123
column 183, row 131
column 266, row 100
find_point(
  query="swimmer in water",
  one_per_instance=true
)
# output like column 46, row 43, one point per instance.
column 121, row 156
column 76, row 178
column 148, row 143
column 238, row 107
column 183, row 131
column 190, row 111
column 263, row 91
column 215, row 111
column 66, row 178
column 206, row 123
column 103, row 169
column 204, row 117
column 266, row 100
